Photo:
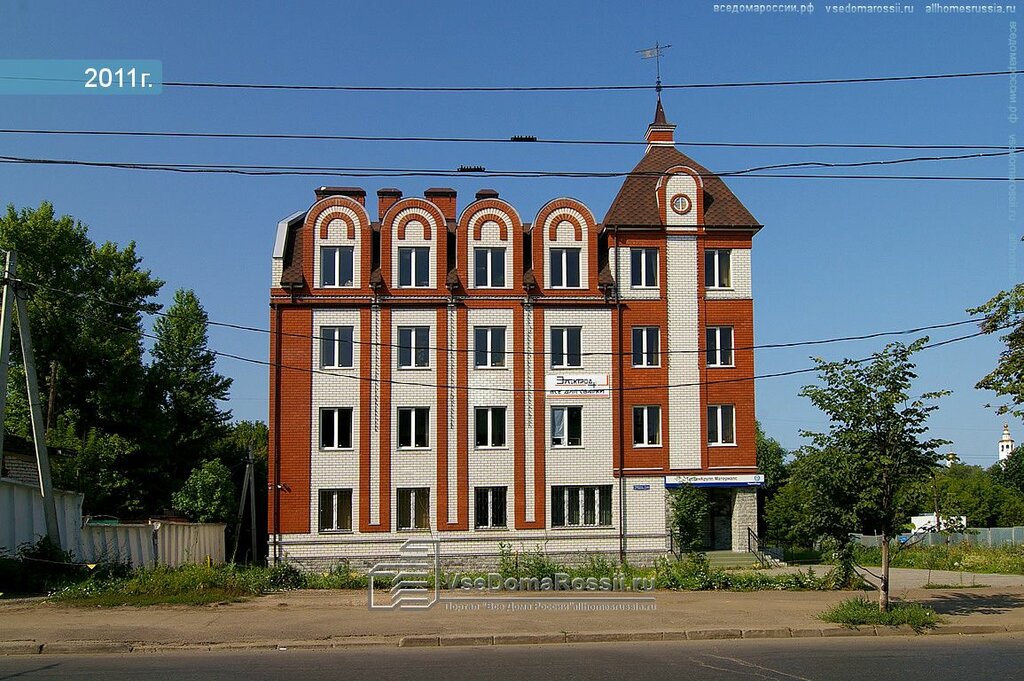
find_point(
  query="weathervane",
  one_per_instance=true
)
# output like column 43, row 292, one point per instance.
column 655, row 54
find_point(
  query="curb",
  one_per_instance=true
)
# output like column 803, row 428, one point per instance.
column 31, row 647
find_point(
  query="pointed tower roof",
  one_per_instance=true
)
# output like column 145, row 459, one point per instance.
column 636, row 204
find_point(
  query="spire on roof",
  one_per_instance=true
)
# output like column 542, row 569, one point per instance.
column 660, row 132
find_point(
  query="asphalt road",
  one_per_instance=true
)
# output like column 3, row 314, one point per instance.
column 931, row 657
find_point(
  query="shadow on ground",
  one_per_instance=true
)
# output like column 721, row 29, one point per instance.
column 975, row 604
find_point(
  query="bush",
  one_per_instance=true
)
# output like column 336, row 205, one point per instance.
column 38, row 568
column 859, row 611
column 694, row 573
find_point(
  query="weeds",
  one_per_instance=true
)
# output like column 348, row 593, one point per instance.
column 859, row 611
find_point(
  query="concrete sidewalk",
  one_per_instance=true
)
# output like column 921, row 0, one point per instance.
column 337, row 618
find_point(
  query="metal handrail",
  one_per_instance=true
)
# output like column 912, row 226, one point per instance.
column 754, row 546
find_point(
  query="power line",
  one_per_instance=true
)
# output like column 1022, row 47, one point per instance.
column 518, row 139
column 581, row 88
column 504, row 389
column 365, row 172
column 438, row 348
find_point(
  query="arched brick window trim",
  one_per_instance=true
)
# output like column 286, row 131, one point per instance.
column 663, row 186
column 423, row 206
column 330, row 205
column 477, row 213
column 550, row 216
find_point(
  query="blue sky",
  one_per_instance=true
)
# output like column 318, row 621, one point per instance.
column 835, row 257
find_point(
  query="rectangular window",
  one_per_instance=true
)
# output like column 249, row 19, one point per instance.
column 489, row 267
column 721, row 424
column 489, row 346
column 717, row 268
column 490, row 507
column 336, row 428
column 335, row 347
column 414, row 508
column 646, row 426
column 575, row 506
column 490, row 427
column 413, row 427
column 413, row 347
column 646, row 352
column 565, row 268
column 336, row 266
column 643, row 267
column 566, row 346
column 566, row 426
column 335, row 510
column 719, row 346
column 414, row 267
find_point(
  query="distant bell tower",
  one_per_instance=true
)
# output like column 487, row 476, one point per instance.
column 1005, row 443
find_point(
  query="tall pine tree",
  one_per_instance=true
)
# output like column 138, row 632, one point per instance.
column 185, row 377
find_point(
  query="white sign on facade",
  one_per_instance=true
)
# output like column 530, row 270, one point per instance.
column 577, row 385
column 752, row 480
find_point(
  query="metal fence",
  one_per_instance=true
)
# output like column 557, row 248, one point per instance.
column 978, row 536
column 157, row 542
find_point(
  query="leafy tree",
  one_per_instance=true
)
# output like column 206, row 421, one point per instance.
column 189, row 387
column 1010, row 471
column 689, row 508
column 85, row 306
column 971, row 491
column 208, row 495
column 1003, row 312
column 786, row 515
column 771, row 460
column 864, row 470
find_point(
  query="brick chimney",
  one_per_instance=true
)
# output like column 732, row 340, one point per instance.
column 486, row 194
column 357, row 193
column 443, row 198
column 386, row 198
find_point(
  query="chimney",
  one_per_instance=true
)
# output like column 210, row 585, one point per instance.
column 386, row 198
column 357, row 193
column 443, row 198
column 486, row 194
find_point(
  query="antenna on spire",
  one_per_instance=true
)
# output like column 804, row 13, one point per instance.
column 655, row 53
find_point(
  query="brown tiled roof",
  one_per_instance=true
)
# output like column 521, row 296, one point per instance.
column 637, row 203
column 292, row 275
column 530, row 279
column 604, row 277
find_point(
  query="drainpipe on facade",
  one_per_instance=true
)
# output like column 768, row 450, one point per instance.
column 277, row 433
column 622, row 423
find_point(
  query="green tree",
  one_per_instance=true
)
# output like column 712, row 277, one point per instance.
column 865, row 470
column 1010, row 471
column 785, row 515
column 85, row 306
column 970, row 491
column 689, row 508
column 190, row 389
column 1003, row 313
column 208, row 495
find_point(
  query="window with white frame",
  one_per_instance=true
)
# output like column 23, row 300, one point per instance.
column 413, row 347
column 719, row 346
column 567, row 426
column 490, row 427
column 646, row 426
column 646, row 346
column 717, row 268
column 335, row 510
column 414, row 508
column 413, row 427
column 643, row 267
column 491, row 509
column 335, row 347
column 581, row 505
column 488, row 346
column 336, row 428
column 566, row 346
column 565, row 268
column 414, row 266
column 336, row 266
column 489, row 267
column 721, row 424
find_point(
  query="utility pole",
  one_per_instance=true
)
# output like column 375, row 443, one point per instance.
column 10, row 299
column 248, row 489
